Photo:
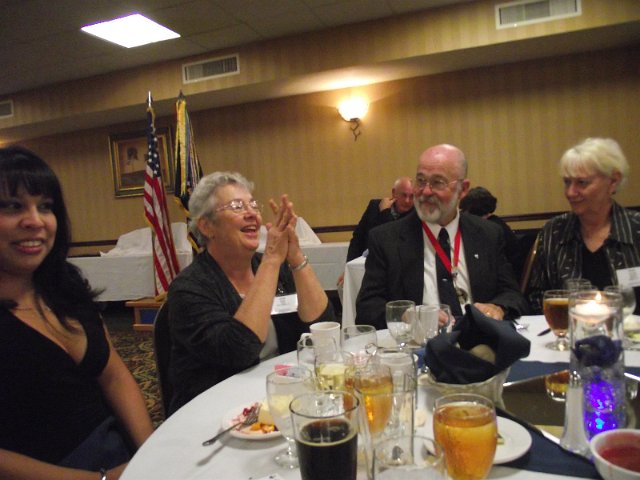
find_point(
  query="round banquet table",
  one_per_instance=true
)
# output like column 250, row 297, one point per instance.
column 175, row 451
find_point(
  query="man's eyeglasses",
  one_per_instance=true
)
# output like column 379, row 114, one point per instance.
column 437, row 185
column 240, row 206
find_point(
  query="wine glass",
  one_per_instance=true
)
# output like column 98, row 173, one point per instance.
column 400, row 316
column 282, row 386
column 331, row 368
column 577, row 284
column 628, row 307
column 555, row 304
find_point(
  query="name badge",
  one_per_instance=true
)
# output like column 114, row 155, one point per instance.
column 629, row 277
column 285, row 304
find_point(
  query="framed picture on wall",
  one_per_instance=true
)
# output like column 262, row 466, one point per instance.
column 129, row 161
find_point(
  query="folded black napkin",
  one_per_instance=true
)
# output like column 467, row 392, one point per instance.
column 449, row 358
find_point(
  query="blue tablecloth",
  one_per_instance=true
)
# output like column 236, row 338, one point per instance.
column 544, row 455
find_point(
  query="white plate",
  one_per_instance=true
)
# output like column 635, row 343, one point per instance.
column 517, row 441
column 230, row 418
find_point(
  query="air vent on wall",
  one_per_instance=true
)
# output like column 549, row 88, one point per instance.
column 211, row 68
column 6, row 109
column 514, row 14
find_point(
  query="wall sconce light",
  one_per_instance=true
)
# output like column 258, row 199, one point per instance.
column 353, row 110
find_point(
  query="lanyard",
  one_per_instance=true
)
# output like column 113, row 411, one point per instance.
column 443, row 256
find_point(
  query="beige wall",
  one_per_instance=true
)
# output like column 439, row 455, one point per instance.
column 513, row 122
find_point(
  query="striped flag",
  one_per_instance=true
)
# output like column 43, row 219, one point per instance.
column 188, row 170
column 165, row 260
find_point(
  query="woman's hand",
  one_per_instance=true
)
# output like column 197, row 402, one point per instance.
column 294, row 255
column 278, row 231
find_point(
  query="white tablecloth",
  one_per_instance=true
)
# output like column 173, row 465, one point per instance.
column 122, row 278
column 353, row 275
column 174, row 451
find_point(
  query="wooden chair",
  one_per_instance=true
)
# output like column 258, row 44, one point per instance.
column 162, row 354
column 528, row 265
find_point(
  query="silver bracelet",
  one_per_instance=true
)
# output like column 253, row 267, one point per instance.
column 103, row 474
column 304, row 263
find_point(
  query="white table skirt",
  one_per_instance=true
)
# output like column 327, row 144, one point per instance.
column 131, row 277
column 328, row 260
column 122, row 278
column 174, row 451
column 353, row 275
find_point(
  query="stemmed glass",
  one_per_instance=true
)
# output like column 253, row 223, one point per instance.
column 282, row 385
column 628, row 306
column 555, row 304
column 577, row 284
column 400, row 316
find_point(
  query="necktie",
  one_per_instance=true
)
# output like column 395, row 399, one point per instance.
column 446, row 290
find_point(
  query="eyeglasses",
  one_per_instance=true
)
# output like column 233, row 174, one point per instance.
column 240, row 206
column 437, row 185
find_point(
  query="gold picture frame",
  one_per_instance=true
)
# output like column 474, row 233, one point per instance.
column 129, row 161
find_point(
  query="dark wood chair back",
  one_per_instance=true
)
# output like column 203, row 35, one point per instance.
column 162, row 354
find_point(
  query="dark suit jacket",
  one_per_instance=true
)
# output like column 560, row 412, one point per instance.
column 371, row 218
column 394, row 269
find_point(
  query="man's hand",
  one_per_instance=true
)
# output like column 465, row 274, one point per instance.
column 490, row 310
column 385, row 203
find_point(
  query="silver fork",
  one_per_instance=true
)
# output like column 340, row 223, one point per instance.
column 521, row 326
column 250, row 420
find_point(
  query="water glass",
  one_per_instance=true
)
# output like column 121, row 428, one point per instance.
column 400, row 317
column 359, row 340
column 427, row 324
column 402, row 364
column 325, row 427
column 282, row 386
column 408, row 457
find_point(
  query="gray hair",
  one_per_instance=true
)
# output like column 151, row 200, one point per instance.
column 203, row 201
column 595, row 155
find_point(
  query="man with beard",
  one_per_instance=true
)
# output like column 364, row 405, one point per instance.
column 413, row 259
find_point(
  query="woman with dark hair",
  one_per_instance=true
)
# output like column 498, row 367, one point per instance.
column 69, row 408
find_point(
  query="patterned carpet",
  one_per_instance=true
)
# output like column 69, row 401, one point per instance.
column 136, row 349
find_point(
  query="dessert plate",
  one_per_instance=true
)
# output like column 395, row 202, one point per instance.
column 245, row 433
column 516, row 441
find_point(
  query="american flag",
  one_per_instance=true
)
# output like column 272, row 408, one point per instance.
column 165, row 260
column 188, row 170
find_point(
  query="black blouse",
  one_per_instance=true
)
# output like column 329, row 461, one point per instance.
column 48, row 403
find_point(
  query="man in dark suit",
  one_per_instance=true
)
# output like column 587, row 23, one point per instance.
column 381, row 211
column 410, row 260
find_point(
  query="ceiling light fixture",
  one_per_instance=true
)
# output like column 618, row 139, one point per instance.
column 353, row 110
column 131, row 31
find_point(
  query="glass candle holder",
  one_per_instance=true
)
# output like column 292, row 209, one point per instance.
column 597, row 358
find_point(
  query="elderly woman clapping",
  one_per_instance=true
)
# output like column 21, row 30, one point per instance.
column 222, row 307
column 598, row 239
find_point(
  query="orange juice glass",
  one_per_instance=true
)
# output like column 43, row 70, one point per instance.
column 465, row 426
